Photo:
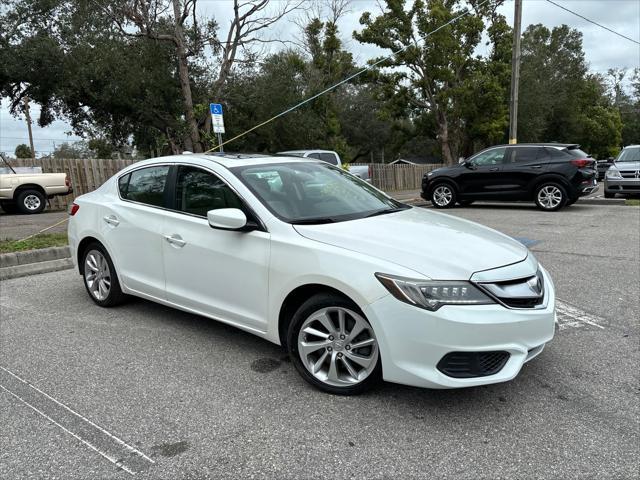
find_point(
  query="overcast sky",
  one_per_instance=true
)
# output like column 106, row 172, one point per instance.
column 603, row 49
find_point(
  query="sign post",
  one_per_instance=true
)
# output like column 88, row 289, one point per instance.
column 217, row 121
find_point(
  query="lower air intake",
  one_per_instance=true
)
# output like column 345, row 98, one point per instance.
column 472, row 364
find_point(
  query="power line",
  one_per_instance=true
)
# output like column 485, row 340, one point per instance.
column 591, row 21
column 351, row 77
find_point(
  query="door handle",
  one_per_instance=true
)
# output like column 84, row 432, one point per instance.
column 111, row 220
column 176, row 240
column 494, row 169
column 536, row 166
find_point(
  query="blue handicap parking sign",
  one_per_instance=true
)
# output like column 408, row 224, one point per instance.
column 216, row 108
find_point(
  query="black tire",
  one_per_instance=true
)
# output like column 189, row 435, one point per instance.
column 9, row 207
column 554, row 196
column 609, row 194
column 114, row 296
column 31, row 201
column 465, row 203
column 572, row 201
column 303, row 315
column 443, row 195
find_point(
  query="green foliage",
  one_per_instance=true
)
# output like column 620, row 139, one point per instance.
column 23, row 151
column 43, row 240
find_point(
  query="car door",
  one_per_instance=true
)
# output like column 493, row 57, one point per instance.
column 522, row 165
column 219, row 273
column 480, row 177
column 132, row 227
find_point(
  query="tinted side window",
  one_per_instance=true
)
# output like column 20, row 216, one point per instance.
column 524, row 154
column 198, row 191
column 494, row 156
column 314, row 155
column 329, row 158
column 146, row 185
column 556, row 154
column 123, row 184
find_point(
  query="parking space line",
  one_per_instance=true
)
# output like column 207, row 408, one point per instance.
column 572, row 317
column 109, row 446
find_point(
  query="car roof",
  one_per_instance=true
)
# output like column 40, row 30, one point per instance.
column 298, row 152
column 228, row 160
column 540, row 144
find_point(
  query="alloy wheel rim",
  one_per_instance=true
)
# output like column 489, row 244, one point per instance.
column 442, row 195
column 97, row 275
column 338, row 347
column 549, row 196
column 32, row 202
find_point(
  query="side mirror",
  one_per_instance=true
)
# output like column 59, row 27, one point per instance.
column 460, row 159
column 227, row 219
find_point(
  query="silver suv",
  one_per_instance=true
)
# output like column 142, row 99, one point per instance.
column 624, row 175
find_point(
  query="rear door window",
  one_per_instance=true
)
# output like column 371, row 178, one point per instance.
column 329, row 158
column 145, row 185
column 523, row 154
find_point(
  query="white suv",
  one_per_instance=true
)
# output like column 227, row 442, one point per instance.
column 355, row 285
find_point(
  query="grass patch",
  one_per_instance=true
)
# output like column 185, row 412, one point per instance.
column 632, row 201
column 44, row 240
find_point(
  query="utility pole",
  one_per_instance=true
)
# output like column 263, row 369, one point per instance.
column 515, row 73
column 28, row 115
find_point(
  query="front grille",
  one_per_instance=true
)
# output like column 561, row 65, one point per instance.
column 628, row 174
column 472, row 364
column 520, row 293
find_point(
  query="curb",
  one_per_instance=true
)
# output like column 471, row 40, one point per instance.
column 32, row 262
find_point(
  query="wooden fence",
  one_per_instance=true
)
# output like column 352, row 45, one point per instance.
column 393, row 178
column 88, row 174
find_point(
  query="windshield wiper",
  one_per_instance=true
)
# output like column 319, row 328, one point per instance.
column 312, row 221
column 385, row 211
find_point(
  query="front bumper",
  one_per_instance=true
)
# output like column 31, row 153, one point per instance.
column 622, row 185
column 412, row 340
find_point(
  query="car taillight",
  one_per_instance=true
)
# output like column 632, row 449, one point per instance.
column 581, row 163
column 370, row 170
column 67, row 182
column 73, row 208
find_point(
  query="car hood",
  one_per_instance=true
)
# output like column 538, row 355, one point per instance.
column 626, row 166
column 433, row 244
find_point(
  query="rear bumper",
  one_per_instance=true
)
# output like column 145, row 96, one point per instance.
column 413, row 341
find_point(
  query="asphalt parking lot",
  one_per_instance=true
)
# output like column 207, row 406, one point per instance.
column 143, row 389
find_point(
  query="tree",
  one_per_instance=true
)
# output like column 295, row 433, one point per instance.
column 23, row 151
column 439, row 69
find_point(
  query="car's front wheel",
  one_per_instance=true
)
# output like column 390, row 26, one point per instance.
column 333, row 346
column 100, row 278
column 443, row 195
column 551, row 196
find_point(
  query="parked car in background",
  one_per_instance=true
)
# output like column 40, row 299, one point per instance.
column 356, row 286
column 603, row 166
column 27, row 191
column 623, row 176
column 552, row 175
column 333, row 158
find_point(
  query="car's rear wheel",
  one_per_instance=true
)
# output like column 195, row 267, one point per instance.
column 31, row 201
column 551, row 196
column 333, row 346
column 100, row 278
column 443, row 195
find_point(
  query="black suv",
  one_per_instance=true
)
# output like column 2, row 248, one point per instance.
column 551, row 174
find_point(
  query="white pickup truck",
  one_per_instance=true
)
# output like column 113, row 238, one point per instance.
column 27, row 189
column 333, row 158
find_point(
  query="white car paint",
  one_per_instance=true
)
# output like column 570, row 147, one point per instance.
column 243, row 278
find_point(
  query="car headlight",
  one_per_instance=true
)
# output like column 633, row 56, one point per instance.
column 433, row 294
column 429, row 174
column 613, row 172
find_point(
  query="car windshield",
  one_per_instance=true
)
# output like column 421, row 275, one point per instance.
column 629, row 155
column 314, row 192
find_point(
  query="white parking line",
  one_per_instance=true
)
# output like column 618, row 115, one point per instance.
column 94, row 436
column 569, row 316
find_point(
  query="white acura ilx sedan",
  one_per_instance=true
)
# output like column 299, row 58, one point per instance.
column 355, row 285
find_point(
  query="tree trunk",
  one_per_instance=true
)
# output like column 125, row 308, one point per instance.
column 443, row 138
column 192, row 139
